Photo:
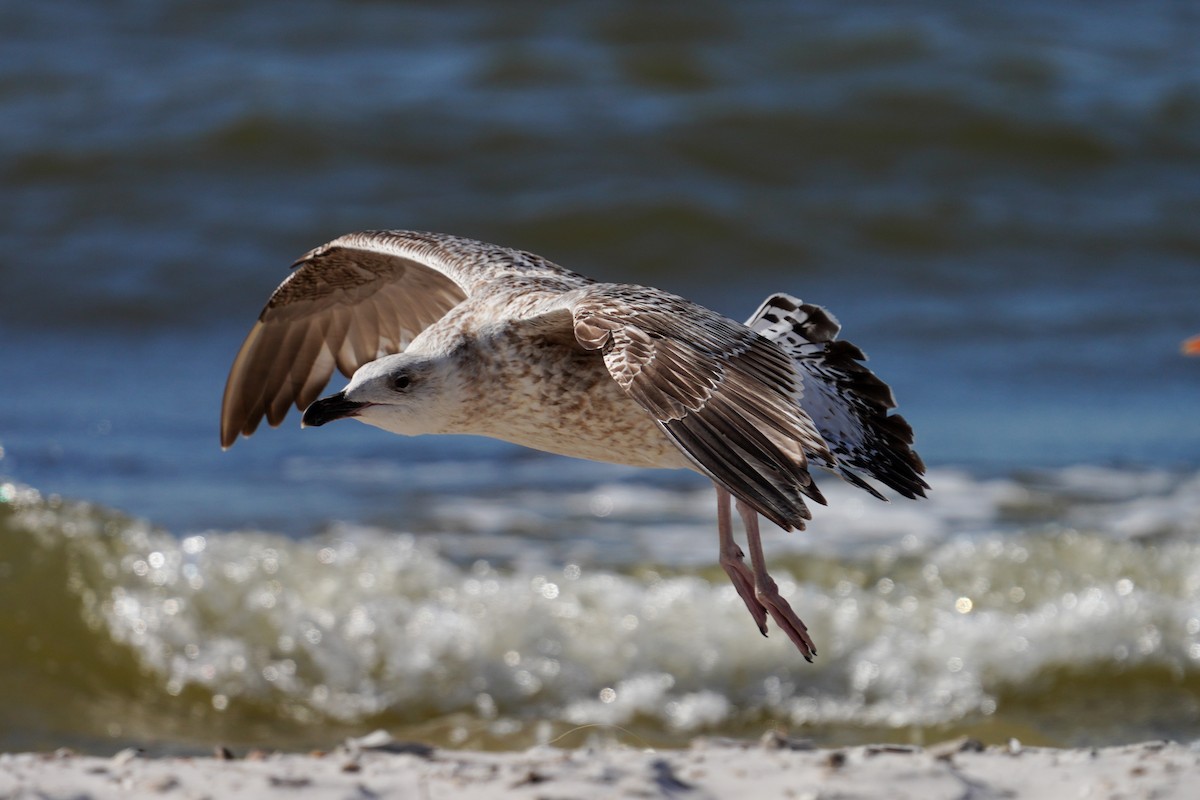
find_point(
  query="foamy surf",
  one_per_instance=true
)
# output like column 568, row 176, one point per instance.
column 999, row 607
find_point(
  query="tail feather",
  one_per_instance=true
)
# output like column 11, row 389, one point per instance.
column 848, row 403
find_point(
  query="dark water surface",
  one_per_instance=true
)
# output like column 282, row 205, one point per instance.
column 1000, row 204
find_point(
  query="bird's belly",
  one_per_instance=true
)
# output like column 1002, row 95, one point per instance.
column 613, row 441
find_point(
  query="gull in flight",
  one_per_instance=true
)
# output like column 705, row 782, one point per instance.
column 441, row 334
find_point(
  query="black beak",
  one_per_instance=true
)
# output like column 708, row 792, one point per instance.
column 327, row 409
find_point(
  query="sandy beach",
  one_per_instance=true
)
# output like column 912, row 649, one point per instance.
column 378, row 767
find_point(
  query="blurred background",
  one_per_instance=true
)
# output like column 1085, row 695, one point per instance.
column 1000, row 205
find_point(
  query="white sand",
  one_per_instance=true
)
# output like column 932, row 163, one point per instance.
column 709, row 769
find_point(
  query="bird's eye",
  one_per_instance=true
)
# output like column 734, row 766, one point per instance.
column 401, row 382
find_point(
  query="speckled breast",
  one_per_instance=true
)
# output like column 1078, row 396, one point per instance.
column 551, row 396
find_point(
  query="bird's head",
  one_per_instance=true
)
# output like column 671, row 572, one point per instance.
column 402, row 393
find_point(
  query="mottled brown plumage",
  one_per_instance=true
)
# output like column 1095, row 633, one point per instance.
column 440, row 334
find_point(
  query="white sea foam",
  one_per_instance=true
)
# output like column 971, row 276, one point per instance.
column 934, row 613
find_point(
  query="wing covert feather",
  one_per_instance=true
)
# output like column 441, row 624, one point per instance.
column 727, row 397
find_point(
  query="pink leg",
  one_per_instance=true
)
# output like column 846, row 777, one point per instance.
column 731, row 561
column 767, row 593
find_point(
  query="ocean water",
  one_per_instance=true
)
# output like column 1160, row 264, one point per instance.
column 999, row 204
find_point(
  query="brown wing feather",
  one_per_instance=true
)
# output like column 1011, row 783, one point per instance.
column 345, row 305
column 724, row 395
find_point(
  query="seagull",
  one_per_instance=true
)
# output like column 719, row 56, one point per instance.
column 442, row 334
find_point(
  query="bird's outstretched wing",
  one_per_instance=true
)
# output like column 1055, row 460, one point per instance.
column 727, row 397
column 848, row 403
column 348, row 302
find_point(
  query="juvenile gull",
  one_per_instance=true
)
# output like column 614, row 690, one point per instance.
column 440, row 334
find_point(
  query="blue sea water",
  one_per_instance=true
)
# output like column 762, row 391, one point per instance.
column 998, row 203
